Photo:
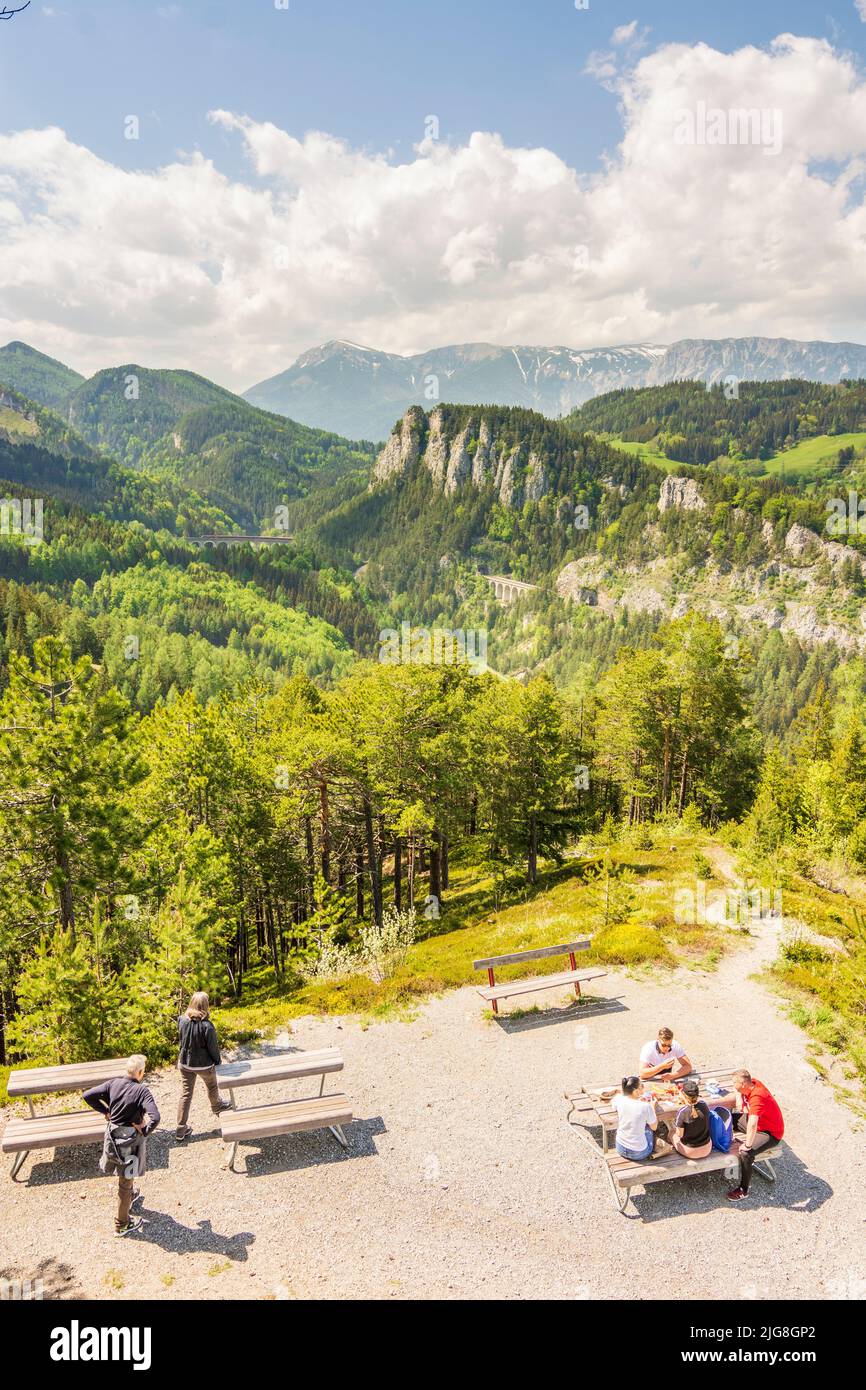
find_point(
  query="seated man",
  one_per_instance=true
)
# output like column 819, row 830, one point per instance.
column 757, row 1113
column 663, row 1058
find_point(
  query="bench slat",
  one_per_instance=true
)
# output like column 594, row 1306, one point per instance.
column 53, row 1132
column 78, row 1076
column 537, row 982
column 285, row 1117
column 626, row 1173
column 516, row 957
column 254, row 1071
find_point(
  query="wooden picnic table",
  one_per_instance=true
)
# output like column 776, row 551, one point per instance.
column 591, row 1099
column 56, row 1131
column 285, row 1116
column 592, row 1103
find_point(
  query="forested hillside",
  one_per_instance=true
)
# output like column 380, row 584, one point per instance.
column 690, row 423
column 37, row 376
column 208, row 773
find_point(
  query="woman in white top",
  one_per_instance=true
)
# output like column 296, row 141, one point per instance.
column 638, row 1120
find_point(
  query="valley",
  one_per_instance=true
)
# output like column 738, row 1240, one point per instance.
column 655, row 570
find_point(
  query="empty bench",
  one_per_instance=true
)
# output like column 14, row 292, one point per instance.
column 493, row 992
column 284, row 1116
column 22, row 1136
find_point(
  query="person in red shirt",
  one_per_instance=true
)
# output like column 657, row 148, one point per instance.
column 756, row 1113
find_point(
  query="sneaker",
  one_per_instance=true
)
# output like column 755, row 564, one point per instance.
column 130, row 1226
column 181, row 1134
column 223, row 1105
column 737, row 1194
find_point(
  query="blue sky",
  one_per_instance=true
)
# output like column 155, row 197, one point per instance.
column 366, row 70
column 229, row 237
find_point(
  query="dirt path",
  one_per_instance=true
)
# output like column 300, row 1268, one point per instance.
column 464, row 1179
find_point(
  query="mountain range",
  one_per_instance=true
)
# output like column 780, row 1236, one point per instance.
column 360, row 392
column 631, row 510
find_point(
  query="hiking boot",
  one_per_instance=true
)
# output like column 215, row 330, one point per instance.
column 223, row 1105
column 737, row 1194
column 130, row 1226
column 183, row 1133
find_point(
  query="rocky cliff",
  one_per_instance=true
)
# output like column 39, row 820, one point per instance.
column 456, row 455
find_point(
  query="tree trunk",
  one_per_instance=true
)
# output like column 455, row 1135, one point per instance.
column 373, row 863
column 398, row 873
column 445, row 863
column 67, row 909
column 325, row 825
column 359, row 883
column 410, row 875
column 532, row 857
column 311, row 864
column 473, row 814
column 683, row 780
column 435, row 866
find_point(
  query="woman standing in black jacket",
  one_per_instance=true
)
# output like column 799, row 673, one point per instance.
column 199, row 1056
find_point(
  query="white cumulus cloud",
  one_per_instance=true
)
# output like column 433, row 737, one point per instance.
column 183, row 265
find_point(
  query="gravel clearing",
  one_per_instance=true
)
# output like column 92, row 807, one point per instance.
column 464, row 1179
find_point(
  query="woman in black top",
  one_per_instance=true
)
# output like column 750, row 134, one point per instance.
column 691, row 1136
column 199, row 1056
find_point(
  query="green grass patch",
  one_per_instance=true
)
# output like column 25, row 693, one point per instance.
column 12, row 422
column 812, row 459
column 476, row 922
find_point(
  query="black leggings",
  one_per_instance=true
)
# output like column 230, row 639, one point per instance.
column 763, row 1139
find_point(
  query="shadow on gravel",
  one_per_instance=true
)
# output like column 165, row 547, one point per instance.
column 49, row 1278
column 160, row 1229
column 796, row 1189
column 576, row 1012
column 257, row 1158
column 75, row 1165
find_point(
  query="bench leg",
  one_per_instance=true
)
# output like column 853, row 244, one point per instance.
column 760, row 1164
column 574, row 967
column 491, row 981
column 621, row 1195
column 337, row 1131
column 18, row 1161
column 233, row 1155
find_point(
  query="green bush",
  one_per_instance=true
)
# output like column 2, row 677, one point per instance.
column 703, row 867
column 626, row 943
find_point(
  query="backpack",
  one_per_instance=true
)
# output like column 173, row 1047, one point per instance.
column 721, row 1127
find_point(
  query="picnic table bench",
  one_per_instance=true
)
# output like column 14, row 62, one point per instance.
column 285, row 1116
column 593, row 1103
column 23, row 1135
column 493, row 992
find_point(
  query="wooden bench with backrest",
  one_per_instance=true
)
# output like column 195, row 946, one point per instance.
column 22, row 1136
column 493, row 992
column 594, row 1105
column 284, row 1116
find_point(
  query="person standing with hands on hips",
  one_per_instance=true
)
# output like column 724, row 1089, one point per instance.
column 132, row 1114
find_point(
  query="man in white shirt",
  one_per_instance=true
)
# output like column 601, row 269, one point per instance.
column 664, row 1058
